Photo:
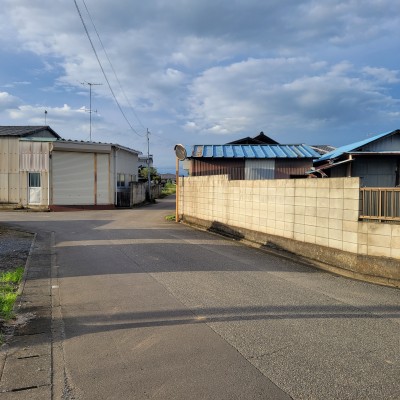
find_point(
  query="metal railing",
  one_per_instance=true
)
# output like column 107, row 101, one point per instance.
column 380, row 204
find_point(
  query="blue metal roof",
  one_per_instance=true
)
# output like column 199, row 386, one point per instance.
column 253, row 151
column 351, row 147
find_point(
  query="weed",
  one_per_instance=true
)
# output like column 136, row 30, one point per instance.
column 14, row 276
column 9, row 282
column 170, row 217
column 169, row 188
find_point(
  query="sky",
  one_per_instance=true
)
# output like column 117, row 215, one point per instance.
column 201, row 71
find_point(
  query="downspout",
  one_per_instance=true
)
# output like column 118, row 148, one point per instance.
column 48, row 175
column 348, row 172
column 115, row 176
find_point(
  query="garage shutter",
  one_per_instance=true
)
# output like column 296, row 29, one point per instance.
column 73, row 178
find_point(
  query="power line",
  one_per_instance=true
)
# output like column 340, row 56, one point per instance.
column 112, row 67
column 104, row 73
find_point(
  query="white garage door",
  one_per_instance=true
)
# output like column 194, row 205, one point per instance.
column 73, row 178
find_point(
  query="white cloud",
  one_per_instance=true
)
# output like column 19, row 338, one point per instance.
column 210, row 67
column 275, row 93
column 7, row 100
column 383, row 74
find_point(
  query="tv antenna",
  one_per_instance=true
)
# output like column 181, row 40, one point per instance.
column 90, row 84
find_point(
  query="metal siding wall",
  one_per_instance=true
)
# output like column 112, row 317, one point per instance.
column 103, row 182
column 284, row 168
column 9, row 170
column 375, row 172
column 13, row 160
column 13, row 187
column 259, row 169
column 337, row 172
column 4, row 155
column 232, row 167
column 73, row 178
column 23, row 183
column 3, row 188
column 391, row 143
column 34, row 156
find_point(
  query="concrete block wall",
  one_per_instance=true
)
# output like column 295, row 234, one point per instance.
column 319, row 212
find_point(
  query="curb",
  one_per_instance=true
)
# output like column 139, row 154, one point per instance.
column 26, row 369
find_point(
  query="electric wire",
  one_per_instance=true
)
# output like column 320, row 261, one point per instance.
column 112, row 67
column 104, row 73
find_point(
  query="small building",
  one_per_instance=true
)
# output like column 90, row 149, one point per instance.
column 251, row 161
column 376, row 161
column 261, row 138
column 39, row 169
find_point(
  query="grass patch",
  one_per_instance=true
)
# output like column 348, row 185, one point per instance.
column 170, row 217
column 9, row 283
column 168, row 189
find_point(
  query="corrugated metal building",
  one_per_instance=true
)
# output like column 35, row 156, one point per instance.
column 38, row 168
column 251, row 162
column 376, row 161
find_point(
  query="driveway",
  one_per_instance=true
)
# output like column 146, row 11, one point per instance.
column 149, row 309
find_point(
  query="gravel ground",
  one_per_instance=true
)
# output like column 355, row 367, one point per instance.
column 14, row 248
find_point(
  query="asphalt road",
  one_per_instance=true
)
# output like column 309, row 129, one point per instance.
column 150, row 309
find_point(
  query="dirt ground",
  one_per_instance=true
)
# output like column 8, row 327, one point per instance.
column 14, row 248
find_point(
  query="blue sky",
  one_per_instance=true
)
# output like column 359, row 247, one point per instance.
column 203, row 71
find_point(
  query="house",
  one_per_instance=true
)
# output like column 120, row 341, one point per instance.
column 39, row 169
column 251, row 161
column 261, row 138
column 375, row 160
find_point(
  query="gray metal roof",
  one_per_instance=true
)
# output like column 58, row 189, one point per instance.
column 21, row 131
column 253, row 151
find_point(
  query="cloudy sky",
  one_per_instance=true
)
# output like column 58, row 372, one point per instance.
column 202, row 71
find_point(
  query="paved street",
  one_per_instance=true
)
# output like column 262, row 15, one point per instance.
column 149, row 309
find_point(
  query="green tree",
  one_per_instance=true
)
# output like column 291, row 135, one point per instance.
column 154, row 176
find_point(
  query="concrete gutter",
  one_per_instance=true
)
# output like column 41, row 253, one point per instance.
column 379, row 270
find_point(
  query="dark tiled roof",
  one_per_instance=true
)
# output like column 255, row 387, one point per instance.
column 22, row 131
column 323, row 148
column 259, row 139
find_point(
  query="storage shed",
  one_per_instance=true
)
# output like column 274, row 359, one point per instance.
column 39, row 169
column 251, row 161
column 375, row 160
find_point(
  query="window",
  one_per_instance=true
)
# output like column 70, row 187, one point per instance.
column 121, row 180
column 34, row 179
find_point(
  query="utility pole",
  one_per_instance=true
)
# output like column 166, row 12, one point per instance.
column 148, row 163
column 45, row 117
column 90, row 84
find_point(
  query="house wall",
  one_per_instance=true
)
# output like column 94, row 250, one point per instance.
column 234, row 167
column 127, row 163
column 375, row 172
column 316, row 218
column 389, row 143
column 259, row 169
column 286, row 168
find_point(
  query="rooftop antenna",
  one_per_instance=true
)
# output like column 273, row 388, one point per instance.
column 45, row 117
column 90, row 84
